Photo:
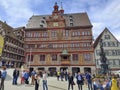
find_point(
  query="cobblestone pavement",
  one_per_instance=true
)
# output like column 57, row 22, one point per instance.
column 53, row 84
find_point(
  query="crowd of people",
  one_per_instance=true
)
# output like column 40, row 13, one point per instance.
column 33, row 78
column 111, row 82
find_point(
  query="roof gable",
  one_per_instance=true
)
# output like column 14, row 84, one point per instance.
column 102, row 36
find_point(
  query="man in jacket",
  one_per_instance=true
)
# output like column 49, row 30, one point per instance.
column 80, row 80
column 15, row 76
column 3, row 76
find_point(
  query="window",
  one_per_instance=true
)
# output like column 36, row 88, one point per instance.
column 41, row 26
column 36, row 34
column 75, row 57
column 43, row 17
column 45, row 34
column 28, row 34
column 107, row 36
column 83, row 33
column 54, row 57
column 42, row 57
column 71, row 20
column 75, row 33
column 114, row 63
column 43, row 22
column 54, row 33
column 71, row 24
column 66, row 33
column 30, row 58
column 119, row 62
column 87, row 57
column 70, row 17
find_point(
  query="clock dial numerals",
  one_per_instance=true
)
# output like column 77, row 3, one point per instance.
column 55, row 24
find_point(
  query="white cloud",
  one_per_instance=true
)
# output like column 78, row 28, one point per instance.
column 102, row 13
column 17, row 11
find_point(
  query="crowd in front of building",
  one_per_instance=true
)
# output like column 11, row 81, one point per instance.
column 91, row 81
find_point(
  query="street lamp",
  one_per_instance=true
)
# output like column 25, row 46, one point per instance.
column 29, row 60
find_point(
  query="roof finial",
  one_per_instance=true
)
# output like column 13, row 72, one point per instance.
column 56, row 7
column 61, row 6
column 61, row 10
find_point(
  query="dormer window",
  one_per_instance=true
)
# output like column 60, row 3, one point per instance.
column 71, row 17
column 43, row 17
column 107, row 36
column 71, row 20
column 41, row 25
column 71, row 24
column 43, row 22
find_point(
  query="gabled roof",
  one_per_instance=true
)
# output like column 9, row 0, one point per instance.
column 79, row 19
column 8, row 29
column 100, row 36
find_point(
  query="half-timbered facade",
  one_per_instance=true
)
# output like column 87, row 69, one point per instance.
column 13, row 49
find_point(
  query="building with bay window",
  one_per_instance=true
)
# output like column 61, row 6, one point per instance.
column 59, row 41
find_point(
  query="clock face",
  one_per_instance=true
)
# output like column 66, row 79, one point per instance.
column 55, row 24
column 55, row 17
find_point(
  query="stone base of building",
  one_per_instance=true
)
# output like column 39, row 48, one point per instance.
column 73, row 69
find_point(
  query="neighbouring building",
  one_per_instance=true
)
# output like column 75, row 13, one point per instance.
column 60, row 41
column 13, row 49
column 111, row 48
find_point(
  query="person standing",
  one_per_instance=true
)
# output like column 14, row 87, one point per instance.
column 89, row 81
column 70, row 81
column 33, row 77
column 114, row 85
column 58, row 75
column 15, row 76
column 26, row 76
column 45, row 81
column 22, row 77
column 62, row 75
column 37, row 81
column 80, row 80
column 66, row 75
column 3, row 77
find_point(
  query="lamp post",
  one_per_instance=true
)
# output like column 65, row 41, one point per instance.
column 29, row 60
column 103, row 60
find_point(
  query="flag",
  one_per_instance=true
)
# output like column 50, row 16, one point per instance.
column 1, row 44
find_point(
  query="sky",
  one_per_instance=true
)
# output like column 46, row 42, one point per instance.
column 102, row 13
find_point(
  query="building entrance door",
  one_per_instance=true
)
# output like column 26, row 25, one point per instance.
column 63, row 68
column 87, row 69
column 75, row 70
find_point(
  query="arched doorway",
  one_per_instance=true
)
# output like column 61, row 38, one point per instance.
column 75, row 70
column 87, row 69
column 41, row 68
column 52, row 71
column 63, row 68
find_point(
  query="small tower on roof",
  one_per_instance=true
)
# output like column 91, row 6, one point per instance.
column 56, row 7
column 61, row 10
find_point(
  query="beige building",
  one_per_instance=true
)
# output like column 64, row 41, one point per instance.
column 13, row 50
column 59, row 41
column 111, row 47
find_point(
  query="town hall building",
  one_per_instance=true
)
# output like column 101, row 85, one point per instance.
column 60, row 41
